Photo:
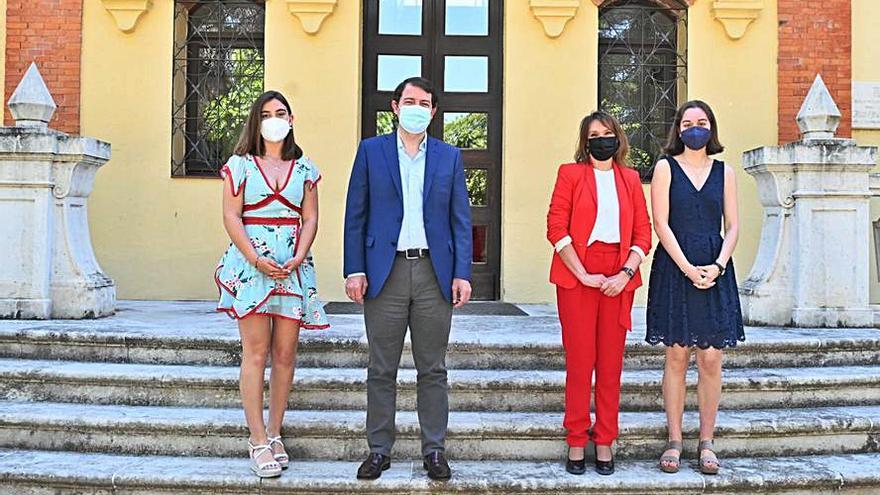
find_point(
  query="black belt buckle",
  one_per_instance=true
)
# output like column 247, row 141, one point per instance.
column 415, row 253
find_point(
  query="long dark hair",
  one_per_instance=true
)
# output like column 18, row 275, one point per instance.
column 251, row 142
column 675, row 146
column 582, row 153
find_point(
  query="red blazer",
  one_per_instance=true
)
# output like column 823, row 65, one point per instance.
column 573, row 209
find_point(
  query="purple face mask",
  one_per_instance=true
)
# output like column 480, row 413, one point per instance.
column 696, row 137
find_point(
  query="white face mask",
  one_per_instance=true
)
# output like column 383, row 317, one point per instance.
column 414, row 118
column 275, row 129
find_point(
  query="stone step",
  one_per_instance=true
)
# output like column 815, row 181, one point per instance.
column 339, row 435
column 191, row 334
column 41, row 472
column 470, row 390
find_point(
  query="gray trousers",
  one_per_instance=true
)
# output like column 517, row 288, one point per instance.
column 410, row 298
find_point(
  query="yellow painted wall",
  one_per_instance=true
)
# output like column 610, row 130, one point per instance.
column 157, row 237
column 160, row 238
column 736, row 77
column 320, row 75
column 549, row 85
column 866, row 68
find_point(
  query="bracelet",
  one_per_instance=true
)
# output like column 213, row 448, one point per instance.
column 721, row 269
column 629, row 271
column 257, row 260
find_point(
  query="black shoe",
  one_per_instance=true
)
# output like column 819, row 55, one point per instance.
column 437, row 467
column 576, row 467
column 374, row 465
column 604, row 468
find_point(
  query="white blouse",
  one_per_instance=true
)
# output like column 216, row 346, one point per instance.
column 607, row 227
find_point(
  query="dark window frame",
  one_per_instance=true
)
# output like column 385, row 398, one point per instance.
column 192, row 153
column 433, row 45
column 673, row 75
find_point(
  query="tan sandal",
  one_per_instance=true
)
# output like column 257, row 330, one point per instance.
column 709, row 463
column 672, row 462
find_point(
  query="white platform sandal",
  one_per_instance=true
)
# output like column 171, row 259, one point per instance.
column 268, row 469
column 283, row 459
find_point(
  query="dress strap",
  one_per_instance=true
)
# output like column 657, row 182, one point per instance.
column 674, row 166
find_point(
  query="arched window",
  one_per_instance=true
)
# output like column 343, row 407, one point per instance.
column 643, row 71
column 218, row 73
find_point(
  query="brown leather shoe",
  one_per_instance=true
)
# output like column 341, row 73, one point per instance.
column 372, row 468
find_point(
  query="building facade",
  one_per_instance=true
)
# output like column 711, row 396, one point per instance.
column 167, row 82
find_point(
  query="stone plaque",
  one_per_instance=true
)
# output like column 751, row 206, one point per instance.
column 866, row 105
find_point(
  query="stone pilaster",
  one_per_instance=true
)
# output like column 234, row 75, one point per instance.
column 811, row 269
column 49, row 269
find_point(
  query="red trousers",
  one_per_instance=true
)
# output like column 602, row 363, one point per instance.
column 594, row 340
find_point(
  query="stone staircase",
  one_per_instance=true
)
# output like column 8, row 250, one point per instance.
column 147, row 402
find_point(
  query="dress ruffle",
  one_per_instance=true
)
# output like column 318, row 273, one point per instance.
column 671, row 294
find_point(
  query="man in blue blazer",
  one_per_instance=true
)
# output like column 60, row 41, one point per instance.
column 408, row 261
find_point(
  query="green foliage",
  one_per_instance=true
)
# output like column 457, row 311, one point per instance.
column 641, row 159
column 477, row 186
column 225, row 114
column 384, row 123
column 469, row 131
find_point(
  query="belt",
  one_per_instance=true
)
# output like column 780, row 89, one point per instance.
column 414, row 254
column 270, row 220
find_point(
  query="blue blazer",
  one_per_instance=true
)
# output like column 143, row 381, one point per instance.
column 374, row 213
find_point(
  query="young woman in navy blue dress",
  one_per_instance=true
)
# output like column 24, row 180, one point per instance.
column 693, row 302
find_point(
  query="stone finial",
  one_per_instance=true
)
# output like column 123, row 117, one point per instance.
column 31, row 103
column 819, row 116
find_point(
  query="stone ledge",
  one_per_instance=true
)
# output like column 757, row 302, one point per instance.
column 516, row 343
column 338, row 435
column 32, row 472
column 470, row 390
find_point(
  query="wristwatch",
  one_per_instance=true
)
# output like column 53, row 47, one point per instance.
column 721, row 268
column 629, row 271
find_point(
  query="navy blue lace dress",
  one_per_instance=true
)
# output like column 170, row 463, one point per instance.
column 678, row 312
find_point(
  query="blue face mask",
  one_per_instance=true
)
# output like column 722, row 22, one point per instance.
column 414, row 118
column 696, row 137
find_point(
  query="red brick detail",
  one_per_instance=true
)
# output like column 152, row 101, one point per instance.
column 48, row 32
column 815, row 37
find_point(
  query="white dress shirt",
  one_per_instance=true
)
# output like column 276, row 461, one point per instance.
column 412, row 182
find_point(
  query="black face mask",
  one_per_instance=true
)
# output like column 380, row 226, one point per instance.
column 603, row 148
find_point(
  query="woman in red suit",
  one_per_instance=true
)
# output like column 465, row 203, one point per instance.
column 598, row 224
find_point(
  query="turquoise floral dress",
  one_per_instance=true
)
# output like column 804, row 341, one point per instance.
column 272, row 221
